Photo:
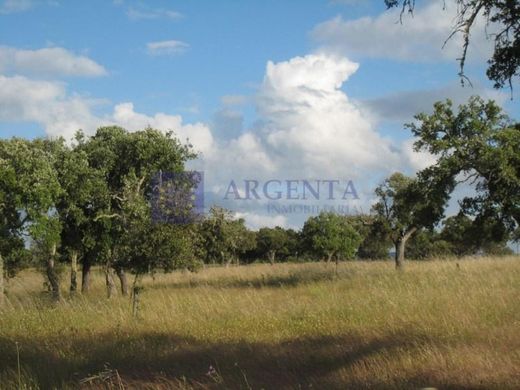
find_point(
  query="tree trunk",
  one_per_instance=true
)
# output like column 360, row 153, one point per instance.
column 74, row 272
column 136, row 290
column 109, row 279
column 136, row 300
column 54, row 281
column 329, row 257
column 120, row 272
column 229, row 261
column 400, row 246
column 2, row 288
column 271, row 255
column 85, row 276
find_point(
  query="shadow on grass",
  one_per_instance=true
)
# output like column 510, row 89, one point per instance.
column 171, row 361
column 292, row 279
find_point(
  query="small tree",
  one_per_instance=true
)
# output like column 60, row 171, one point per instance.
column 330, row 235
column 272, row 241
column 223, row 238
column 29, row 206
column 406, row 205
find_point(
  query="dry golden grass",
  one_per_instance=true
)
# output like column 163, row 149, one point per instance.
column 283, row 326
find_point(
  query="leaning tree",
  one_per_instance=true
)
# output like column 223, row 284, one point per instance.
column 405, row 205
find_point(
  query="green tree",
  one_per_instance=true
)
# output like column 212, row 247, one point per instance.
column 272, row 241
column 128, row 162
column 11, row 239
column 407, row 204
column 146, row 245
column 502, row 15
column 457, row 230
column 30, row 190
column 84, row 191
column 224, row 238
column 427, row 244
column 330, row 235
column 376, row 242
column 480, row 144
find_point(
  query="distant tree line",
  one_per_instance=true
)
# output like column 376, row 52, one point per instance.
column 89, row 203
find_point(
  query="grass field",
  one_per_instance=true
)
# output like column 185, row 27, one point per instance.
column 285, row 326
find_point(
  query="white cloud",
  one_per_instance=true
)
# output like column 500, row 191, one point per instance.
column 307, row 128
column 310, row 123
column 170, row 47
column 148, row 13
column 62, row 114
column 54, row 61
column 198, row 134
column 13, row 6
column 417, row 38
column 46, row 103
column 416, row 160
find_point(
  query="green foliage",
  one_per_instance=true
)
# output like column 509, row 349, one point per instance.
column 376, row 242
column 121, row 216
column 330, row 235
column 482, row 144
column 29, row 190
column 272, row 242
column 427, row 244
column 406, row 205
column 222, row 238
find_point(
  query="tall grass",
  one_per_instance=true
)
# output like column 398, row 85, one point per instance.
column 285, row 326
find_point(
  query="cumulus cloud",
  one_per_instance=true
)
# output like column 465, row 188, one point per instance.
column 418, row 38
column 54, row 61
column 307, row 128
column 311, row 125
column 170, row 47
column 61, row 114
column 197, row 134
column 46, row 103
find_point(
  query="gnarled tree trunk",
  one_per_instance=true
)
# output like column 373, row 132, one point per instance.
column 54, row 281
column 400, row 246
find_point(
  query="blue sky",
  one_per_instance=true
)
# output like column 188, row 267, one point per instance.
column 264, row 89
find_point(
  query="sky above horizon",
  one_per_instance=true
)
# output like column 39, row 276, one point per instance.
column 264, row 90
